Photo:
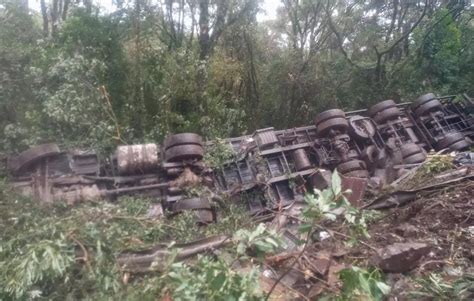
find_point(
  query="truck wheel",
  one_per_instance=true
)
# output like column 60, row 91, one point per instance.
column 184, row 152
column 182, row 139
column 337, row 123
column 387, row 114
column 381, row 106
column 427, row 107
column 329, row 114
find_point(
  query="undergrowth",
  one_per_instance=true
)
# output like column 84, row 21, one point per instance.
column 68, row 253
column 60, row 252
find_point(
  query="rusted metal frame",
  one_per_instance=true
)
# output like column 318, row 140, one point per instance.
column 421, row 131
column 379, row 142
column 467, row 127
column 284, row 148
column 391, row 128
column 453, row 111
column 433, row 138
column 120, row 191
column 459, row 123
column 301, row 128
column 121, row 179
column 292, row 175
column 328, row 159
column 442, row 123
column 276, row 189
column 239, row 174
column 288, row 169
column 362, row 111
column 410, row 127
column 308, row 137
column 224, row 177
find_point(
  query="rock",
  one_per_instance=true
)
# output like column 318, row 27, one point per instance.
column 400, row 257
column 406, row 230
column 321, row 263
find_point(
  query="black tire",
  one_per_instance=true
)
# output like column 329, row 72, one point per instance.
column 416, row 158
column 329, row 114
column 449, row 140
column 422, row 100
column 425, row 108
column 387, row 114
column 410, row 149
column 381, row 106
column 351, row 165
column 338, row 123
column 32, row 155
column 182, row 139
column 184, row 152
column 460, row 145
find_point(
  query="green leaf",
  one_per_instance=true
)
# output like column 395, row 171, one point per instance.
column 304, row 228
column 336, row 183
column 384, row 288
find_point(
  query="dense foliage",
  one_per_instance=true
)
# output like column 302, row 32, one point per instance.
column 64, row 253
column 75, row 74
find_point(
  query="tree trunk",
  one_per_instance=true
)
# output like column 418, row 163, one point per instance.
column 44, row 13
column 204, row 40
column 54, row 17
column 65, row 9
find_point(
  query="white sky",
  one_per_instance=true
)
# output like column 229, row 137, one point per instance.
column 269, row 7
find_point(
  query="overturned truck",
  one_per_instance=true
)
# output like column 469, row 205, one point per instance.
column 271, row 168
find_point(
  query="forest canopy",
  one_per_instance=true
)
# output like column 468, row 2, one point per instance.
column 79, row 75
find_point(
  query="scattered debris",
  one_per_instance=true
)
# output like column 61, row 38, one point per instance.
column 401, row 257
column 423, row 220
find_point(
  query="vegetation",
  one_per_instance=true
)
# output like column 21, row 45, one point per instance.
column 434, row 286
column 61, row 252
column 76, row 74
column 81, row 76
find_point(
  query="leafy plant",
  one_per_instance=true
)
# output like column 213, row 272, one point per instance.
column 330, row 203
column 218, row 154
column 211, row 280
column 60, row 252
column 257, row 242
column 39, row 263
column 437, row 164
column 362, row 284
column 434, row 286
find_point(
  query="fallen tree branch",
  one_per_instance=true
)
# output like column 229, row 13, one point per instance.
column 155, row 258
